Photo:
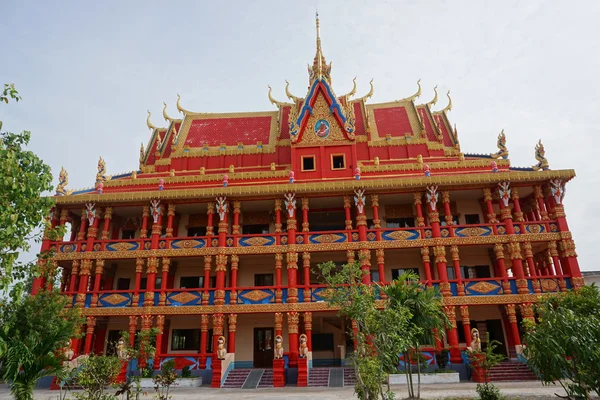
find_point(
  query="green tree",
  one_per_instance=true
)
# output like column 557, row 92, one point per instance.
column 35, row 331
column 390, row 319
column 97, row 373
column 23, row 179
column 564, row 346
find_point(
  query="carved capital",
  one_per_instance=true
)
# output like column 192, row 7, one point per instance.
column 207, row 263
column 99, row 267
column 451, row 314
column 418, row 196
column 445, row 196
column 166, row 263
column 464, row 312
column 218, row 320
column 232, row 319
column 350, row 256
column 499, row 250
column 210, row 208
column 145, row 211
column 278, row 260
column 278, row 321
column 293, row 321
column 86, row 266
column 305, row 203
column 152, row 265
column 204, row 322
column 375, row 200
column 133, row 321
column 454, row 253
column 425, row 254
column 347, row 202
column 487, row 194
column 440, row 254
column 171, row 210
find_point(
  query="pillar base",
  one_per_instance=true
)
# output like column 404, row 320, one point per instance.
column 216, row 373
column 279, row 372
column 303, row 372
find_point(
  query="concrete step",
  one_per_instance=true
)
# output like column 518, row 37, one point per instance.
column 235, row 378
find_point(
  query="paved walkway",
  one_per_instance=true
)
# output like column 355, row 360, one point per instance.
column 522, row 390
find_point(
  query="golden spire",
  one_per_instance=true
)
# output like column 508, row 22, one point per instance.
column 414, row 96
column 290, row 95
column 435, row 98
column 365, row 97
column 150, row 126
column 179, row 108
column 165, row 115
column 320, row 69
column 449, row 106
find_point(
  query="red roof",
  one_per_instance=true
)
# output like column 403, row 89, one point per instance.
column 392, row 121
column 214, row 131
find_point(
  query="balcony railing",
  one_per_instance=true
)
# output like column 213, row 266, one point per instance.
column 269, row 294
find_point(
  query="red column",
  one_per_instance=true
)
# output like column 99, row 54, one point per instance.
column 348, row 213
column 456, row 263
column 84, row 277
column 144, row 228
column 455, row 357
column 170, row 218
column 308, row 329
column 517, row 210
column 466, row 322
column 210, row 212
column 376, row 219
column 207, row 270
column 82, row 226
column 160, row 324
column 448, row 212
column 203, row 339
column 107, row 219
column 232, row 328
column 380, row 254
column 441, row 263
column 514, row 328
column 291, row 257
column 139, row 269
column 218, row 321
column 94, row 220
column 293, row 321
column 235, row 260
column 531, row 266
column 278, row 324
column 306, row 270
column 221, row 259
column 539, row 196
column 278, row 267
column 166, row 263
column 133, row 320
column 499, row 252
column 278, row 225
column 491, row 215
column 74, row 274
column 97, row 282
column 75, row 342
column 419, row 212
column 527, row 312
column 89, row 334
column 364, row 255
column 439, row 251
column 426, row 265
column 235, row 228
column 305, row 225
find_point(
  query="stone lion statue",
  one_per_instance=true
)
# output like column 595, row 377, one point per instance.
column 278, row 347
column 303, row 351
column 221, row 350
column 475, row 340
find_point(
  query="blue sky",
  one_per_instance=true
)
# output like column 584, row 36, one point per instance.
column 88, row 71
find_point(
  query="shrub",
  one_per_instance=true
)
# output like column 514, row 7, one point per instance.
column 185, row 372
column 164, row 380
column 97, row 372
column 488, row 391
column 441, row 358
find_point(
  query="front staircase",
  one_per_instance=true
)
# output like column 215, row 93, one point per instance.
column 235, row 378
column 349, row 377
column 267, row 379
column 318, row 377
column 511, row 371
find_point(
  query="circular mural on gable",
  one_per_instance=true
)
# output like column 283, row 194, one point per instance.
column 322, row 128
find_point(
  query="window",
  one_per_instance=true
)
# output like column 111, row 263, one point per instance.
column 375, row 276
column 399, row 271
column 326, row 220
column 472, row 219
column 191, row 282
column 400, row 222
column 338, row 161
column 255, row 229
column 209, row 341
column 450, row 272
column 454, row 220
column 479, row 271
column 196, row 231
column 308, row 163
column 322, row 341
column 128, row 234
column 185, row 339
column 263, row 279
column 123, row 283
column 157, row 283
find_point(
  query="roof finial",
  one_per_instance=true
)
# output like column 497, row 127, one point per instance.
column 365, row 97
column 449, row 106
column 150, row 126
column 272, row 100
column 179, row 108
column 414, row 96
column 319, row 69
column 435, row 98
column 165, row 115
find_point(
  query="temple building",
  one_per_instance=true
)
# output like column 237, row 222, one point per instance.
column 220, row 231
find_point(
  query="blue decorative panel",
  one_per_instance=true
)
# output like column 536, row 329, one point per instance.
column 328, row 238
column 513, row 286
column 122, row 246
column 483, row 288
column 453, row 288
column 410, row 234
column 88, row 300
column 371, row 236
column 188, row 244
column 257, row 241
column 319, row 294
column 114, row 299
column 192, row 298
column 472, row 231
column 535, row 228
column 67, row 248
column 141, row 300
column 256, row 296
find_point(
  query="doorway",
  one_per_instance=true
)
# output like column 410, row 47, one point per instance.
column 263, row 347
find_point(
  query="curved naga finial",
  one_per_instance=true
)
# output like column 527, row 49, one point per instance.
column 352, row 92
column 414, row 96
column 502, row 150
column 150, row 126
column 365, row 97
column 540, row 153
column 165, row 115
column 290, row 95
column 272, row 100
column 179, row 108
column 435, row 98
column 142, row 153
column 63, row 180
column 449, row 106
